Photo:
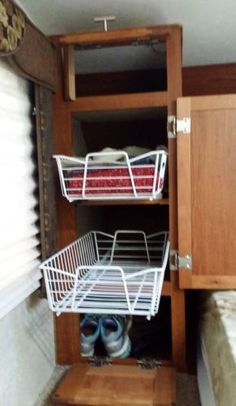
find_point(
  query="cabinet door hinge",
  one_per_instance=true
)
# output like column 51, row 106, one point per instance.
column 149, row 363
column 174, row 126
column 184, row 125
column 98, row 362
column 177, row 261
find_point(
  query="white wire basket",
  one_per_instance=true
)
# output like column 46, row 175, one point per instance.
column 100, row 176
column 108, row 274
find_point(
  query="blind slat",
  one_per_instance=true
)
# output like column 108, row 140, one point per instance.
column 19, row 218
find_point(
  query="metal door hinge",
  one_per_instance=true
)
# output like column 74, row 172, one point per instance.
column 171, row 126
column 98, row 362
column 177, row 261
column 148, row 363
column 174, row 126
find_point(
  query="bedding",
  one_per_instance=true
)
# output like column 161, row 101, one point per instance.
column 112, row 180
column 218, row 339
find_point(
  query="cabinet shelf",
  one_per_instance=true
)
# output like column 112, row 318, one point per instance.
column 119, row 102
column 130, row 202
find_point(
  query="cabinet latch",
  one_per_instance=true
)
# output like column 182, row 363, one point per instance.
column 149, row 363
column 174, row 126
column 177, row 261
column 171, row 127
column 98, row 362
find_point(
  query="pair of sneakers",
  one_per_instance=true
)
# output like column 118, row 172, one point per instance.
column 113, row 331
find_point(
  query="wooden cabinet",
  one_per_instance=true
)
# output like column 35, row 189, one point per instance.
column 148, row 104
column 206, row 191
column 199, row 208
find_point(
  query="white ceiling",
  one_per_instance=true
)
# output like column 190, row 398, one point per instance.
column 209, row 26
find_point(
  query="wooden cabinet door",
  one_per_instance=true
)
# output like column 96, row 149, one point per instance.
column 206, row 155
column 118, row 385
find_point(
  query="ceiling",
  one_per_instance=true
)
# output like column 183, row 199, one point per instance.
column 209, row 28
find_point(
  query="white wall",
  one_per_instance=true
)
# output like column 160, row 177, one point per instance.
column 26, row 353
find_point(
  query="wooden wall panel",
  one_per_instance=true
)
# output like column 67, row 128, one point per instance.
column 209, row 80
column 197, row 80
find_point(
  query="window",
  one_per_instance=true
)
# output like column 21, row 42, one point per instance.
column 19, row 218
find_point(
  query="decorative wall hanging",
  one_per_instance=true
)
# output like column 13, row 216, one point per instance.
column 12, row 27
column 27, row 49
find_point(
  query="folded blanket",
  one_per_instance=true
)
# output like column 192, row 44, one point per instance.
column 109, row 181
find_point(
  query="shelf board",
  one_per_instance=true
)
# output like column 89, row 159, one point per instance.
column 128, row 202
column 117, row 36
column 119, row 102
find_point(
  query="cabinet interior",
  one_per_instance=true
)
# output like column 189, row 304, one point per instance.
column 136, row 67
column 93, row 131
column 151, row 339
column 115, row 104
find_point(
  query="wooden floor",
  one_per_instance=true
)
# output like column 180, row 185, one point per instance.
column 187, row 391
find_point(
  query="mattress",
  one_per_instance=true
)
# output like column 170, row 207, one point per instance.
column 218, row 346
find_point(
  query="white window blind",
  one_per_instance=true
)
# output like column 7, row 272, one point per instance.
column 19, row 229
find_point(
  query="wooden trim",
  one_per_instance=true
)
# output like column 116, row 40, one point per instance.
column 174, row 89
column 69, row 72
column 67, row 325
column 47, row 198
column 184, row 187
column 117, row 37
column 161, row 202
column 220, row 102
column 119, row 102
column 167, row 289
column 178, row 323
column 68, row 338
column 208, row 282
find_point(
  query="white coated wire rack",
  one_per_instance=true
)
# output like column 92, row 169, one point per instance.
column 108, row 274
column 100, row 176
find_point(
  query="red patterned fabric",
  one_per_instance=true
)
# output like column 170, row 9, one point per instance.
column 114, row 181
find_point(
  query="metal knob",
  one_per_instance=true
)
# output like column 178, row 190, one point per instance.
column 104, row 20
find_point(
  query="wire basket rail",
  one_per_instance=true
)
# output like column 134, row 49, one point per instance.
column 141, row 177
column 108, row 274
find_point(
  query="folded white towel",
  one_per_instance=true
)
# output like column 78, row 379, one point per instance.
column 117, row 155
